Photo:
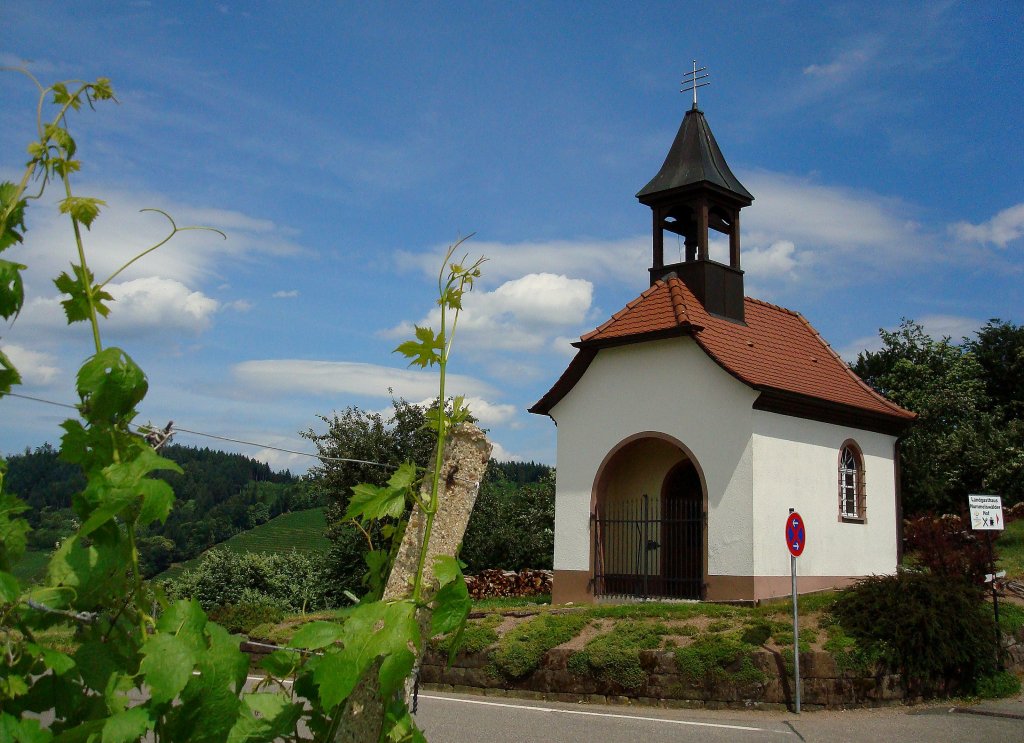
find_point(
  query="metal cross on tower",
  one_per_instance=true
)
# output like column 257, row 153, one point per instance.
column 691, row 81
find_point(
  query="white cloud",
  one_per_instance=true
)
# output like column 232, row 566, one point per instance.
column 847, row 64
column 491, row 414
column 953, row 326
column 153, row 302
column 299, row 376
column 595, row 260
column 501, row 454
column 1003, row 228
column 122, row 231
column 36, row 368
column 290, row 294
column 520, row 314
column 238, row 305
column 776, row 260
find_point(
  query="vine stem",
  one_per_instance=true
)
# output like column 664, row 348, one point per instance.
column 93, row 319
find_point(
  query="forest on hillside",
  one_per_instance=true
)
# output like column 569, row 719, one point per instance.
column 218, row 495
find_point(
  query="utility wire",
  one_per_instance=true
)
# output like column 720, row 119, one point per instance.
column 177, row 429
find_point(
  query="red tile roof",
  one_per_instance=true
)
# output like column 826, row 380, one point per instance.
column 775, row 351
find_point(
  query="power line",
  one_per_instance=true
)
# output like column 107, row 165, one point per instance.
column 177, row 429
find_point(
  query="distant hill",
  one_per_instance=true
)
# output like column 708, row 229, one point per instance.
column 218, row 495
column 302, row 531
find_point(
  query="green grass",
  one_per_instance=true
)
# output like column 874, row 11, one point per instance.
column 302, row 531
column 1010, row 547
column 511, row 602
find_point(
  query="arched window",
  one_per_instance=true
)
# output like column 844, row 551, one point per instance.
column 851, row 483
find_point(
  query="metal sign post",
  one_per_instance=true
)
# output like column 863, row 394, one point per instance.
column 987, row 516
column 796, row 538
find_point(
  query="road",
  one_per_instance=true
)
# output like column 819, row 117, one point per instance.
column 454, row 718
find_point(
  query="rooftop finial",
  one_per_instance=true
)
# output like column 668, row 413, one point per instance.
column 691, row 81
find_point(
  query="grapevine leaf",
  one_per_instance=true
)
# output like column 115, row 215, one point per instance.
column 451, row 298
column 95, row 663
column 110, row 385
column 9, row 588
column 157, row 499
column 112, row 504
column 12, row 230
column 224, row 662
column 398, row 724
column 404, row 477
column 145, row 461
column 185, row 620
column 425, row 351
column 264, row 717
column 167, row 665
column 446, row 569
column 395, row 670
column 12, row 290
column 369, row 502
column 451, row 607
column 79, row 290
column 8, row 374
column 126, row 726
column 317, row 635
column 280, row 663
column 58, row 662
column 336, row 675
column 27, row 730
column 83, row 209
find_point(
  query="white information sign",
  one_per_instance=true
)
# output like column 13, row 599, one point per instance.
column 986, row 512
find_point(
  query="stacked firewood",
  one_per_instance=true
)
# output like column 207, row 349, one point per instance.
column 505, row 583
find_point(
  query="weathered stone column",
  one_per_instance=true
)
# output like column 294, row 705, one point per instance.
column 464, row 462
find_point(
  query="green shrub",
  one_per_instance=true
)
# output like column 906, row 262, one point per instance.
column 712, row 655
column 937, row 632
column 847, row 653
column 478, row 635
column 521, row 649
column 292, row 581
column 998, row 685
column 615, row 656
column 756, row 633
column 243, row 617
column 719, row 625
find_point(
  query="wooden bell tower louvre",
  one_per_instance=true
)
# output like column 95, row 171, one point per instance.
column 693, row 193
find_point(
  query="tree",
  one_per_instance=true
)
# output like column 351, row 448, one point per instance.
column 360, row 446
column 958, row 444
column 999, row 349
column 513, row 524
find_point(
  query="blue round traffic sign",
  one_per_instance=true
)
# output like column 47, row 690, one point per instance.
column 796, row 535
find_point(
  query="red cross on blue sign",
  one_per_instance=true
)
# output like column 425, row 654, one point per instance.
column 796, row 536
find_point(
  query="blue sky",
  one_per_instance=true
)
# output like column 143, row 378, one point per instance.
column 342, row 146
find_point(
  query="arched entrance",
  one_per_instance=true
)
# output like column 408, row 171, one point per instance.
column 648, row 521
column 682, row 532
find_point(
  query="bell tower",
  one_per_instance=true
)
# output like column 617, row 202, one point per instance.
column 693, row 193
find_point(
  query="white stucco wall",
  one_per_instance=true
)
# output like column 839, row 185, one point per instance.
column 669, row 386
column 796, row 466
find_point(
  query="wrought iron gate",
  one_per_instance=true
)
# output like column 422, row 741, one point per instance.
column 649, row 550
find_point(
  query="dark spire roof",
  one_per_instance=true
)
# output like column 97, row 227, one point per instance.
column 695, row 159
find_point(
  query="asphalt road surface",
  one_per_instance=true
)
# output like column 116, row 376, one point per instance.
column 454, row 718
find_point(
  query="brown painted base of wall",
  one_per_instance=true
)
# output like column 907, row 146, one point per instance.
column 574, row 586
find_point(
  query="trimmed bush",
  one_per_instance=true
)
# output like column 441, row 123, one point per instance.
column 521, row 649
column 615, row 656
column 936, row 631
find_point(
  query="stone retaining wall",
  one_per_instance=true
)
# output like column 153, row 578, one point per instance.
column 824, row 686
